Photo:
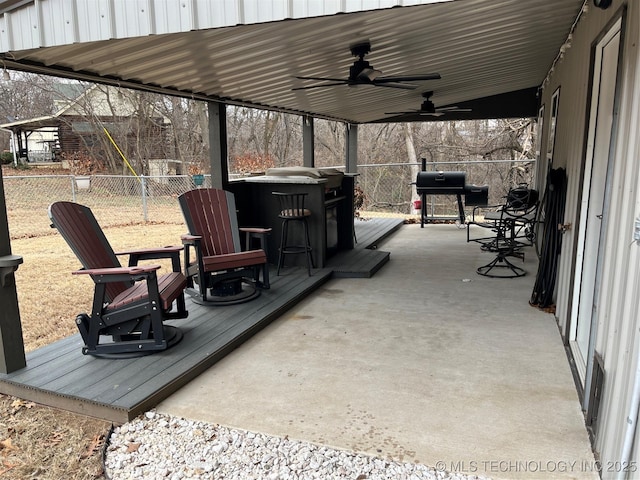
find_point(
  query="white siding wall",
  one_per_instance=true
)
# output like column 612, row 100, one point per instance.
column 620, row 295
column 619, row 300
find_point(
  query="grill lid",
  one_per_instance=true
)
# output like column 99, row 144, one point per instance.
column 440, row 182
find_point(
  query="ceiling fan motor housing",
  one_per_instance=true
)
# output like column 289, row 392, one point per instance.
column 428, row 107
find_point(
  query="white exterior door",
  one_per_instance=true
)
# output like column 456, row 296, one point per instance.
column 584, row 307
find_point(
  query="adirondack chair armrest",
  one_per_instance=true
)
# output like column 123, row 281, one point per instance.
column 259, row 233
column 188, row 239
column 133, row 271
column 255, row 230
column 170, row 251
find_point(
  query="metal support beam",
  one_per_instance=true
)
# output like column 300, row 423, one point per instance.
column 351, row 148
column 218, row 145
column 12, row 355
column 308, row 154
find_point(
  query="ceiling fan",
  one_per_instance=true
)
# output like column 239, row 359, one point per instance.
column 362, row 73
column 427, row 108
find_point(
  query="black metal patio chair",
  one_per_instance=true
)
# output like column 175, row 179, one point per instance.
column 513, row 227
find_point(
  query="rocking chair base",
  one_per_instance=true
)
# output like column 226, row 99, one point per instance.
column 172, row 335
column 240, row 292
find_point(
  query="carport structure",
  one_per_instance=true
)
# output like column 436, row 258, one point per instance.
column 491, row 59
column 499, row 59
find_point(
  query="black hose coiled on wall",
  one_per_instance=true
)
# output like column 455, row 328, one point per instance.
column 553, row 208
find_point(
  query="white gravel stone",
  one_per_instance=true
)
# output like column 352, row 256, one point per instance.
column 159, row 446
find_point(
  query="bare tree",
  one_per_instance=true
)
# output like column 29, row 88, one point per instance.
column 329, row 143
column 188, row 133
column 272, row 136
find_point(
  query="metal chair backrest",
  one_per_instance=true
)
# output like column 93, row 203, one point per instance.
column 521, row 198
column 80, row 229
column 211, row 214
column 292, row 205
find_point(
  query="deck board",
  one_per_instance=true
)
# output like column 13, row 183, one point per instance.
column 58, row 375
column 370, row 232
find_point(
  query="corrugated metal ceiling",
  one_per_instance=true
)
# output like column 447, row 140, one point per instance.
column 480, row 48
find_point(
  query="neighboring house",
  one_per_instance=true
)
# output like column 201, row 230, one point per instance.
column 83, row 114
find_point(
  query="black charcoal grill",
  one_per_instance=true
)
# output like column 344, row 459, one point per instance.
column 447, row 183
column 440, row 183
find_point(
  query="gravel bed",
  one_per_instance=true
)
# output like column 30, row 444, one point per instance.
column 158, row 446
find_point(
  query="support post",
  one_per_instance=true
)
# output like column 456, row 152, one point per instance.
column 218, row 145
column 12, row 355
column 351, row 162
column 145, row 210
column 308, row 139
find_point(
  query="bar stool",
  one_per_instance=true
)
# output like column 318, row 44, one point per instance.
column 292, row 210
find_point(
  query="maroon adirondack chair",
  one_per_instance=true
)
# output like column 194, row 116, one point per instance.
column 223, row 272
column 130, row 303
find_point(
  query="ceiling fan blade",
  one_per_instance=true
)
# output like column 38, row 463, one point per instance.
column 404, row 86
column 323, row 79
column 320, row 85
column 431, row 114
column 410, row 112
column 452, row 109
column 409, row 78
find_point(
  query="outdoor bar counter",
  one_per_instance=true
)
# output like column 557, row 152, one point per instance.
column 329, row 197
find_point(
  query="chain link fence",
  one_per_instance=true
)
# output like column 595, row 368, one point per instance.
column 114, row 200
column 387, row 190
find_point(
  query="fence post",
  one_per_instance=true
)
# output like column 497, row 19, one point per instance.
column 143, row 184
column 73, row 188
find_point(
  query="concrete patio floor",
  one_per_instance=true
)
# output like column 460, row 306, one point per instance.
column 425, row 362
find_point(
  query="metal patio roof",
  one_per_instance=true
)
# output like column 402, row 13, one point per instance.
column 491, row 55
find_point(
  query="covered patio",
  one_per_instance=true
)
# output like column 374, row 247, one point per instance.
column 454, row 366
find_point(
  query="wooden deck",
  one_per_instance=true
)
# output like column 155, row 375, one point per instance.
column 58, row 375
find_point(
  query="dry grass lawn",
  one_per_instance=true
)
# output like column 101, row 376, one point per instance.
column 38, row 442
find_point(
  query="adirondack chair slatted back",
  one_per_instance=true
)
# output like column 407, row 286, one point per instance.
column 80, row 229
column 211, row 214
